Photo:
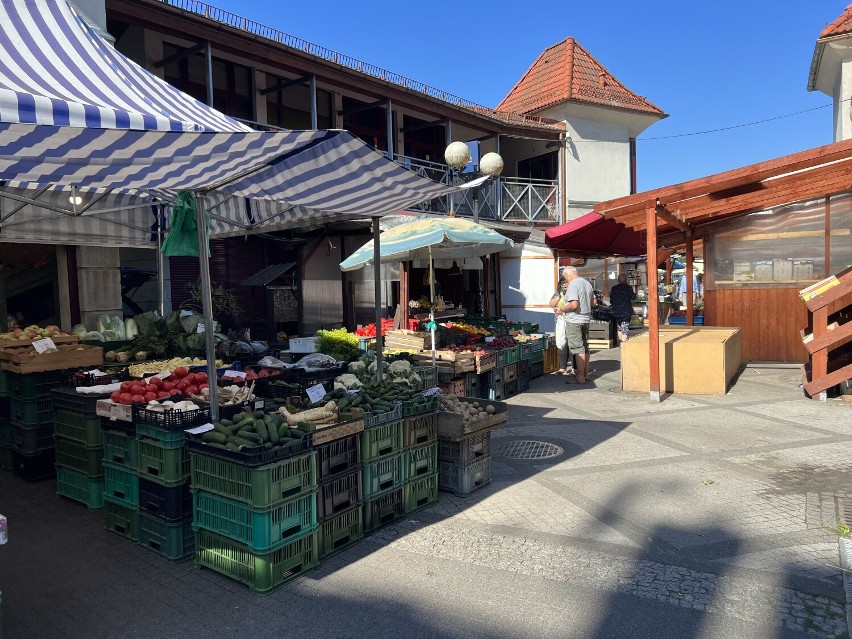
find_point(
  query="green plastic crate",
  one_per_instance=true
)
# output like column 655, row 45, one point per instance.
column 381, row 476
column 419, row 462
column 262, row 573
column 381, row 441
column 383, row 510
column 174, row 541
column 341, row 531
column 259, row 487
column 260, row 530
column 6, row 461
column 167, row 466
column 166, row 438
column 419, row 406
column 420, row 493
column 80, row 458
column 86, row 430
column 79, row 487
column 31, row 412
column 121, row 448
column 29, row 386
column 121, row 520
column 419, row 430
column 4, row 383
column 121, row 485
column 5, row 432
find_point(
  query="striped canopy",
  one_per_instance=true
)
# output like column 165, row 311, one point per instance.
column 87, row 134
column 432, row 237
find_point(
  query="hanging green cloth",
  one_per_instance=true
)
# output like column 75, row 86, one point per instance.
column 182, row 238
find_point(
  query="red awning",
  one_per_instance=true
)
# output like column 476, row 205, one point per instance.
column 594, row 236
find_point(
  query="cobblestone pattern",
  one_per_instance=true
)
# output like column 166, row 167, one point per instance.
column 674, row 585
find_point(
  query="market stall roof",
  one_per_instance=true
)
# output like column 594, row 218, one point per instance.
column 80, row 122
column 817, row 172
column 591, row 235
column 268, row 275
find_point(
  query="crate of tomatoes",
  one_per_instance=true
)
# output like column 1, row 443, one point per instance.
column 180, row 384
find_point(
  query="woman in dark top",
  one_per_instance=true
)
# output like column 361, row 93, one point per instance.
column 621, row 301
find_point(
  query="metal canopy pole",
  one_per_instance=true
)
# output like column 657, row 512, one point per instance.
column 209, row 62
column 207, row 306
column 377, row 277
column 314, row 101
column 161, row 284
column 432, row 304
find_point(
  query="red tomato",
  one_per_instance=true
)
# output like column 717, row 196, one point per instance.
column 262, row 374
column 168, row 386
column 115, row 396
column 201, row 387
column 181, row 372
column 150, row 396
column 162, row 394
column 201, row 377
column 191, row 390
column 126, row 398
column 155, row 382
column 126, row 386
column 251, row 375
column 137, row 389
column 140, row 399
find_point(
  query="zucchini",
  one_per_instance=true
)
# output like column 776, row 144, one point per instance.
column 214, row 437
column 239, row 441
column 232, row 447
column 262, row 430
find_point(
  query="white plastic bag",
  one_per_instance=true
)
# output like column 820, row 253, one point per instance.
column 561, row 332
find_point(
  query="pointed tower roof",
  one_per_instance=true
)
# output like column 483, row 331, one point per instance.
column 566, row 71
column 842, row 25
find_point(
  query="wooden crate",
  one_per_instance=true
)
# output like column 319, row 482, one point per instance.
column 601, row 344
column 551, row 359
column 454, row 426
column 59, row 339
column 486, row 362
column 26, row 360
column 408, row 340
column 447, row 362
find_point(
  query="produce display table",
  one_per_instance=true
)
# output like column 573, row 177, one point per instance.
column 693, row 360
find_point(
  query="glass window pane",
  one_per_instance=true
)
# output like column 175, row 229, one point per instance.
column 841, row 233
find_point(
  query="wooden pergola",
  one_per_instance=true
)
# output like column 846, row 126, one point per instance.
column 676, row 216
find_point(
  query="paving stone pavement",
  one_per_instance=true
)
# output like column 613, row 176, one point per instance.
column 698, row 517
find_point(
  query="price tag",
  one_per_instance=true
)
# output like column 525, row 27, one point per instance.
column 163, row 374
column 234, row 375
column 430, row 391
column 185, row 314
column 200, row 429
column 44, row 345
column 316, row 393
column 200, row 327
column 259, row 404
column 489, row 339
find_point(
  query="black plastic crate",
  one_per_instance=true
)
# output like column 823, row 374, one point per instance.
column 5, row 408
column 339, row 494
column 338, row 457
column 80, row 403
column 32, row 439
column 31, row 412
column 252, row 455
column 383, row 510
column 110, row 375
column 29, row 386
column 35, row 467
column 172, row 420
column 166, row 503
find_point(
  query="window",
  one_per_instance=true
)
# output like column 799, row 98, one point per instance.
column 290, row 108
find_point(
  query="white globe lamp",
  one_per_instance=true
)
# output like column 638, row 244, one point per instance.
column 491, row 164
column 457, row 155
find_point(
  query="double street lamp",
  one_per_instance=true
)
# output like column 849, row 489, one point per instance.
column 457, row 156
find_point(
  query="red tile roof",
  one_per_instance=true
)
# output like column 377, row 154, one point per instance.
column 566, row 71
column 842, row 25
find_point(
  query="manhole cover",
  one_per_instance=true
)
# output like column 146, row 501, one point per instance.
column 529, row 450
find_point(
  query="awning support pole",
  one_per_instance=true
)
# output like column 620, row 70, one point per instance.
column 161, row 283
column 432, row 304
column 207, row 306
column 377, row 273
column 653, row 304
column 688, row 275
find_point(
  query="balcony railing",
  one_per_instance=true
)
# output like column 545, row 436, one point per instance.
column 505, row 199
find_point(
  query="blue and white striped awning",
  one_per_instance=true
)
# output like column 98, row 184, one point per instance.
column 55, row 69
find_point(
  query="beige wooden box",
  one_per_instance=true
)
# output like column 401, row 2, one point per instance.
column 694, row 360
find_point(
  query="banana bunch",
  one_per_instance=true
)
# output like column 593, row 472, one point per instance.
column 470, row 328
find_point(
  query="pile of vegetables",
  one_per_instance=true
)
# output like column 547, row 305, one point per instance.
column 167, row 405
column 502, row 342
column 339, row 344
column 162, row 366
column 471, row 412
column 250, row 430
column 227, row 395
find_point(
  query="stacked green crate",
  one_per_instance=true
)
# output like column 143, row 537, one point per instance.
column 79, row 447
column 420, row 461
column 255, row 524
column 340, row 497
column 6, row 462
column 162, row 466
column 31, row 422
column 381, row 471
column 121, row 484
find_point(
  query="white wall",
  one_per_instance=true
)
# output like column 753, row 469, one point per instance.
column 527, row 275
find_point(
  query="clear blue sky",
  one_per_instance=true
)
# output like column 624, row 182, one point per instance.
column 709, row 65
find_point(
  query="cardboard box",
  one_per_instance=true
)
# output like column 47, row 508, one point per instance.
column 803, row 270
column 763, row 270
column 698, row 360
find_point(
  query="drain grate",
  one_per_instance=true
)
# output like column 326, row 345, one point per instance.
column 529, row 450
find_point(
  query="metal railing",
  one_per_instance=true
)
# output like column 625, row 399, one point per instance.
column 329, row 55
column 504, row 199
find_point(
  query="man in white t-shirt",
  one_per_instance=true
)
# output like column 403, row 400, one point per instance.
column 579, row 300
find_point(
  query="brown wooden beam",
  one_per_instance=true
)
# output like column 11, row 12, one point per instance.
column 653, row 306
column 671, row 219
column 690, row 257
column 729, row 179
